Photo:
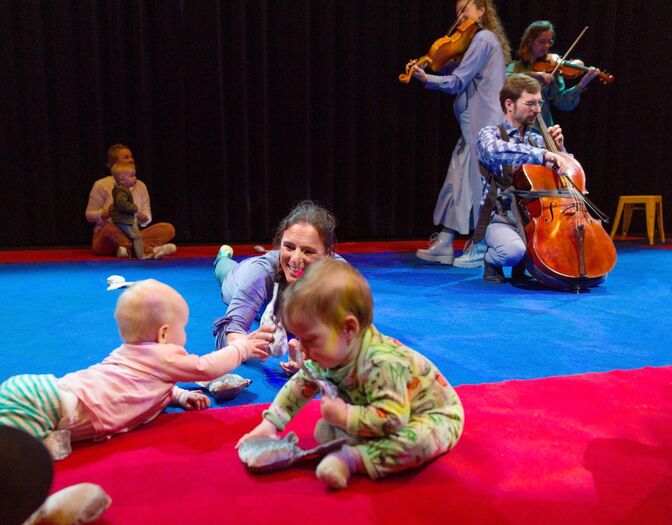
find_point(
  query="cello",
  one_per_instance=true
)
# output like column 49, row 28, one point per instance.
column 566, row 246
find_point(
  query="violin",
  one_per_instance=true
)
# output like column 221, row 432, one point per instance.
column 568, row 68
column 447, row 48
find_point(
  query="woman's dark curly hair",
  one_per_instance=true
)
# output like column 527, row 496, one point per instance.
column 305, row 212
column 308, row 212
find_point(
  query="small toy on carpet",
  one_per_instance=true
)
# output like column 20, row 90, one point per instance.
column 225, row 387
column 114, row 282
column 265, row 454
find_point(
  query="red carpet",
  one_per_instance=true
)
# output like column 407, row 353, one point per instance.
column 594, row 448
column 209, row 250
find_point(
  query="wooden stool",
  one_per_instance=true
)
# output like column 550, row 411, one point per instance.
column 653, row 204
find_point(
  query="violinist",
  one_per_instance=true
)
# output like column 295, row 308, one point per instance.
column 502, row 148
column 535, row 44
column 476, row 81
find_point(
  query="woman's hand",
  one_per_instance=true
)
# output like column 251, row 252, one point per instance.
column 263, row 334
column 587, row 78
column 262, row 339
column 106, row 213
column 414, row 62
column 263, row 429
column 419, row 73
column 258, row 349
column 542, row 77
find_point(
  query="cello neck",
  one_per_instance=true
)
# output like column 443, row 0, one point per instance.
column 548, row 140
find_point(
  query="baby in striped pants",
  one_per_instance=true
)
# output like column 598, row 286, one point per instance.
column 132, row 385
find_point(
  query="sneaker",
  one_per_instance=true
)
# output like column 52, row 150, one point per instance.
column 159, row 252
column 225, row 251
column 440, row 250
column 472, row 257
column 123, row 253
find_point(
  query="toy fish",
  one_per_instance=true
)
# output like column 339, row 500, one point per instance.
column 327, row 388
column 226, row 387
column 278, row 346
column 265, row 454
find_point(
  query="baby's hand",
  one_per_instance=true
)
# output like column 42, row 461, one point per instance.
column 292, row 366
column 263, row 429
column 257, row 349
column 197, row 401
column 262, row 339
column 335, row 411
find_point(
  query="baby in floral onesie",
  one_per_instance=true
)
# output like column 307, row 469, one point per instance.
column 393, row 403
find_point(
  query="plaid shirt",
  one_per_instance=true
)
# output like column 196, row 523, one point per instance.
column 494, row 152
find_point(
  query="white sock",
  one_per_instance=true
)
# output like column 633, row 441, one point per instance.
column 336, row 468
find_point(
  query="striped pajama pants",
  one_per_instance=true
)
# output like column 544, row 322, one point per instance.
column 30, row 403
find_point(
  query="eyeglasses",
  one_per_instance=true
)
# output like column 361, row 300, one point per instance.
column 532, row 103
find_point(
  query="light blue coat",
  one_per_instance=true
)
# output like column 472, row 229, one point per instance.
column 476, row 81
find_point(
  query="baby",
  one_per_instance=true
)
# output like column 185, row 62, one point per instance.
column 123, row 208
column 394, row 405
column 132, row 385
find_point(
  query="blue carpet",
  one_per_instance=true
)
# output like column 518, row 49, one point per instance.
column 58, row 317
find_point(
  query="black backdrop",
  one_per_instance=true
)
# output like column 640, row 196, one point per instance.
column 237, row 109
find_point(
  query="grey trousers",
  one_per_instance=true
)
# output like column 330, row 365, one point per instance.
column 505, row 246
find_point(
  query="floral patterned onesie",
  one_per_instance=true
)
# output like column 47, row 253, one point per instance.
column 402, row 410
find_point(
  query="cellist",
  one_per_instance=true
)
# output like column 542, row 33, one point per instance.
column 476, row 82
column 501, row 148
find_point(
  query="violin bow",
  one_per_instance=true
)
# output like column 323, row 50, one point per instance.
column 550, row 145
column 562, row 60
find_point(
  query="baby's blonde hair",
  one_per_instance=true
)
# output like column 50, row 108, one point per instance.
column 121, row 167
column 144, row 307
column 330, row 290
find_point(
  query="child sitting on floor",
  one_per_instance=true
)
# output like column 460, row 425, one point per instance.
column 132, row 385
column 394, row 404
column 123, row 212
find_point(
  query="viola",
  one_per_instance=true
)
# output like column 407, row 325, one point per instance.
column 566, row 246
column 568, row 68
column 447, row 48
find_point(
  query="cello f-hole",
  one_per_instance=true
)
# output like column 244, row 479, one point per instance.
column 550, row 210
